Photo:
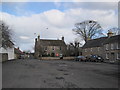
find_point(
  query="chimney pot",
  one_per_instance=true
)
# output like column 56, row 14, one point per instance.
column 62, row 38
column 110, row 33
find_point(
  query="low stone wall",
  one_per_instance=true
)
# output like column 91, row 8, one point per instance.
column 57, row 58
column 68, row 58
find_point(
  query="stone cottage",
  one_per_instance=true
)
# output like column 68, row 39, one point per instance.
column 51, row 48
column 107, row 47
column 112, row 48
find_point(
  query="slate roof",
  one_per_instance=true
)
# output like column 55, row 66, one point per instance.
column 95, row 42
column 113, row 39
column 101, row 41
column 48, row 42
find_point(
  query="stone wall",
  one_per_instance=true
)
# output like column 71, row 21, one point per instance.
column 48, row 50
column 56, row 58
column 111, row 54
column 93, row 51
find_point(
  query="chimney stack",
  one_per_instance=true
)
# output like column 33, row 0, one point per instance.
column 62, row 38
column 38, row 37
column 110, row 33
column 35, row 39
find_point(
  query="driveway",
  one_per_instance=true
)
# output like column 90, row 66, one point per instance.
column 33, row 73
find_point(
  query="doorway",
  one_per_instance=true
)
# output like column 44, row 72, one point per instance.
column 52, row 54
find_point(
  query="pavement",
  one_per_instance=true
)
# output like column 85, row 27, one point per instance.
column 33, row 73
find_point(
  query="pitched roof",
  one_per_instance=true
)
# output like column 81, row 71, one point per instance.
column 17, row 51
column 95, row 42
column 112, row 39
column 101, row 41
column 47, row 42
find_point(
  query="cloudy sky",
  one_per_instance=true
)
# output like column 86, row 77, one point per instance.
column 54, row 19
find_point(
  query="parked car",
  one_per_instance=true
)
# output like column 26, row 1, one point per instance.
column 96, row 58
column 88, row 58
column 80, row 58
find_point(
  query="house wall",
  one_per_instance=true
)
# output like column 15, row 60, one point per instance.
column 54, row 49
column 93, row 50
column 10, row 52
column 111, row 51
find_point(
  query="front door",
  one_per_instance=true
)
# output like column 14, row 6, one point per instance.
column 52, row 54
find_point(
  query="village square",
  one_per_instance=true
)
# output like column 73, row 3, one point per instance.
column 58, row 47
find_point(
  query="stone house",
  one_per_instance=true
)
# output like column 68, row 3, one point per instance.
column 112, row 48
column 93, row 47
column 47, row 47
column 107, row 47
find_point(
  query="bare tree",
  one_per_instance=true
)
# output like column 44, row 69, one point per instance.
column 73, row 48
column 88, row 29
column 6, row 35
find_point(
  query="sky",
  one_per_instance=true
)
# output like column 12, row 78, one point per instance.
column 54, row 19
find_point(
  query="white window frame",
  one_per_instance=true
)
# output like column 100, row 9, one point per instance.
column 91, row 49
column 112, row 46
column 107, row 47
column 118, row 46
column 118, row 55
column 98, row 48
column 107, row 55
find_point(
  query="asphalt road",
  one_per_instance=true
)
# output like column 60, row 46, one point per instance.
column 58, row 74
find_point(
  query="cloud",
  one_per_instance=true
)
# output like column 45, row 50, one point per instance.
column 93, row 5
column 24, row 37
column 59, row 23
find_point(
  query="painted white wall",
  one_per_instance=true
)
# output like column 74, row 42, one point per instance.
column 10, row 52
